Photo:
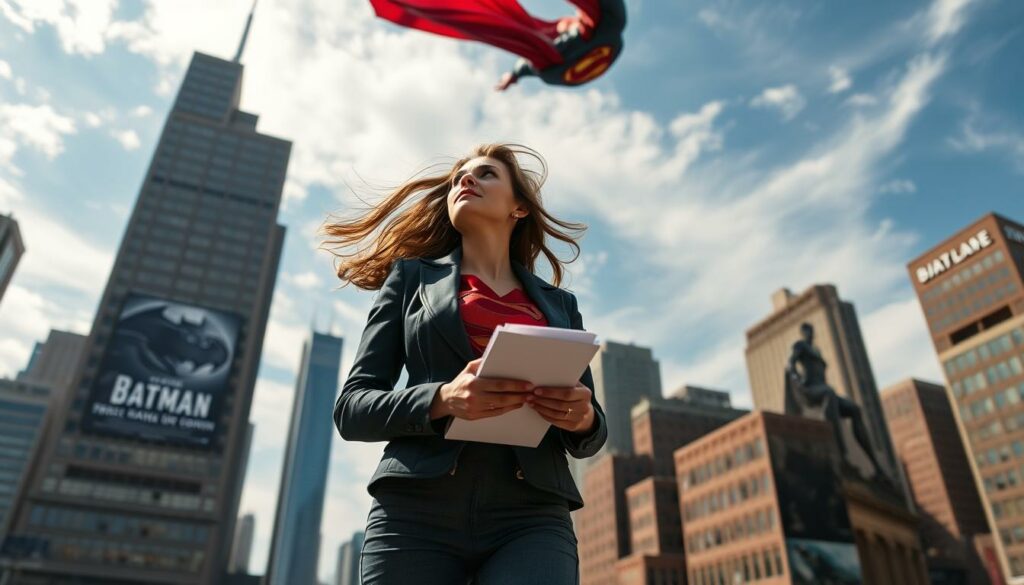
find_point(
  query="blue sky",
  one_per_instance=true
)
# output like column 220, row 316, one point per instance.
column 736, row 147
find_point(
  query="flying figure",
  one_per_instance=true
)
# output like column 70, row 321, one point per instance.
column 569, row 51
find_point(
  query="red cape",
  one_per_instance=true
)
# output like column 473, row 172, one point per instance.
column 501, row 23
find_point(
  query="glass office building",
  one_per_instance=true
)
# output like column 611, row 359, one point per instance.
column 295, row 546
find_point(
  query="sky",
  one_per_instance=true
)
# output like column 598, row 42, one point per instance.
column 735, row 148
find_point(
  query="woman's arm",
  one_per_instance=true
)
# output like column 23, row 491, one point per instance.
column 370, row 408
column 583, row 445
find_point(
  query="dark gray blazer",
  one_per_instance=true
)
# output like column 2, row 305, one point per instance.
column 415, row 322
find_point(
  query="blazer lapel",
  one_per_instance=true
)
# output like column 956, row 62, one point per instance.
column 543, row 295
column 440, row 293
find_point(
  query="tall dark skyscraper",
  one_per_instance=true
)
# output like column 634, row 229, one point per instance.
column 295, row 546
column 138, row 481
column 11, row 250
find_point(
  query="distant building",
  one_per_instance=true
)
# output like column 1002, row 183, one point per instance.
column 347, row 572
column 928, row 445
column 54, row 361
column 295, row 545
column 241, row 548
column 702, row 396
column 23, row 409
column 760, row 503
column 837, row 335
column 623, row 376
column 12, row 248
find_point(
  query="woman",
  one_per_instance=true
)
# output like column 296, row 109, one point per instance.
column 450, row 267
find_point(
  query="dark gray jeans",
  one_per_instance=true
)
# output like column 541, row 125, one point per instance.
column 482, row 525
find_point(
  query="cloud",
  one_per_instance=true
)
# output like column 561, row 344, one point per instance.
column 786, row 99
column 945, row 17
column 141, row 111
column 896, row 336
column 840, row 79
column 860, row 100
column 27, row 317
column 5, row 70
column 898, row 186
column 80, row 25
column 37, row 127
column 128, row 139
column 306, row 280
column 994, row 135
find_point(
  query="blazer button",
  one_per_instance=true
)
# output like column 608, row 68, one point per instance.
column 519, row 473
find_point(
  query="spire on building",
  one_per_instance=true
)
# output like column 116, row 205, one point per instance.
column 245, row 33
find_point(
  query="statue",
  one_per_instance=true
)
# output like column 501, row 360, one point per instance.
column 806, row 391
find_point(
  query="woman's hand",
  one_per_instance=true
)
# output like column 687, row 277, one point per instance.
column 566, row 408
column 472, row 398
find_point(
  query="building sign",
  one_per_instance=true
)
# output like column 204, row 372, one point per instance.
column 1013, row 234
column 954, row 256
column 165, row 372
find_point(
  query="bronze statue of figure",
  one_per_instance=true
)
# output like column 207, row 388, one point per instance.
column 810, row 391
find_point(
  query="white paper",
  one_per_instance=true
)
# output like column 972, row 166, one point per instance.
column 545, row 356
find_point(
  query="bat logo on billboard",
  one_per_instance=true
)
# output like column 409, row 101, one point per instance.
column 182, row 348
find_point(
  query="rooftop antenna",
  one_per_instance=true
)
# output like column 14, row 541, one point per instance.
column 245, row 33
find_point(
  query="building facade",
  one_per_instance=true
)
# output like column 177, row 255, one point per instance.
column 837, row 335
column 241, row 548
column 347, row 572
column 295, row 545
column 761, row 504
column 623, row 375
column 971, row 291
column 12, row 248
column 139, row 478
column 929, row 448
column 53, row 362
column 23, row 410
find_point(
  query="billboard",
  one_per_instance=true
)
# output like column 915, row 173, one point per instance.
column 165, row 372
column 821, row 562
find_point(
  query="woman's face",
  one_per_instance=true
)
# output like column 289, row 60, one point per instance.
column 481, row 195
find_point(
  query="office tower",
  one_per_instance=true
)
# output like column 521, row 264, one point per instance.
column 759, row 504
column 11, row 250
column 702, row 396
column 241, row 548
column 837, row 335
column 602, row 525
column 631, row 517
column 661, row 427
column 23, row 408
column 53, row 362
column 295, row 546
column 928, row 446
column 139, row 476
column 971, row 290
column 623, row 375
column 348, row 561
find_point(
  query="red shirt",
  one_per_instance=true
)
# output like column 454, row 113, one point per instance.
column 483, row 310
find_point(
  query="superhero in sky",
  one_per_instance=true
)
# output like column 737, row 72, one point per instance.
column 570, row 51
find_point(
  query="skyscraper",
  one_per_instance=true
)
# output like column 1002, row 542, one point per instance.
column 242, row 546
column 23, row 412
column 837, row 335
column 138, row 480
column 11, row 250
column 347, row 572
column 623, row 376
column 971, row 289
column 928, row 445
column 295, row 546
column 53, row 362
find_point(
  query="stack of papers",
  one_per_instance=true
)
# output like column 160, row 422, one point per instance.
column 544, row 356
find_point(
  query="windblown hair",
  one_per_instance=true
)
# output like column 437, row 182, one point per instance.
column 412, row 222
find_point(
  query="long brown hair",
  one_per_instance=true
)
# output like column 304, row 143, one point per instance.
column 365, row 247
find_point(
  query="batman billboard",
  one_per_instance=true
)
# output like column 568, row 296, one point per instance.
column 165, row 372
